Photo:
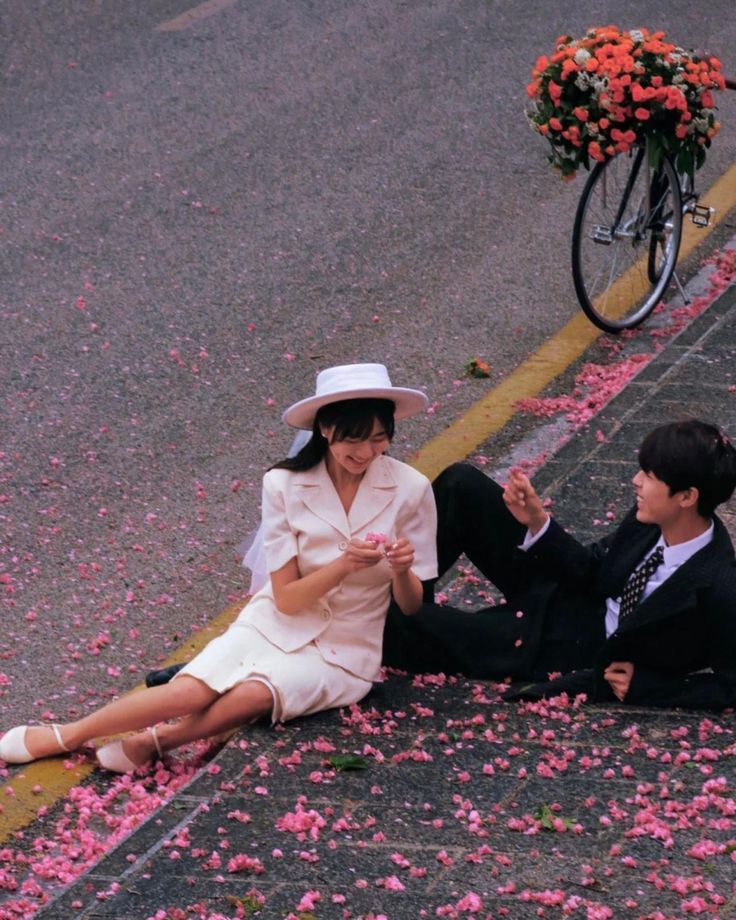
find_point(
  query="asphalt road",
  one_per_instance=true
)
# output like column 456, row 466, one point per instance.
column 193, row 222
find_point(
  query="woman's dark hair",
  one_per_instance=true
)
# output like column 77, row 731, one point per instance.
column 692, row 453
column 351, row 418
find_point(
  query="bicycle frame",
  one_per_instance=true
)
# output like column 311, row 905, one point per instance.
column 606, row 235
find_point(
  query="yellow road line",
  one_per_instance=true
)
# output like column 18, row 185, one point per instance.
column 456, row 442
column 493, row 410
column 721, row 196
column 20, row 806
column 195, row 14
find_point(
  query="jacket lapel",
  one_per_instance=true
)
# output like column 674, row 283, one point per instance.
column 315, row 488
column 679, row 591
column 376, row 492
column 624, row 556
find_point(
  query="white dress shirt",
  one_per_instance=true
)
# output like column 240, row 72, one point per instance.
column 674, row 557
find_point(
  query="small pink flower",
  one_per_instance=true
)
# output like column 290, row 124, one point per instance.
column 244, row 863
column 309, row 901
column 471, row 903
column 390, row 883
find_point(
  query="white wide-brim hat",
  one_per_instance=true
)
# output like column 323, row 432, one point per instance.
column 354, row 381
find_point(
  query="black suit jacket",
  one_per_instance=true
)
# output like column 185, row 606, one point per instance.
column 681, row 639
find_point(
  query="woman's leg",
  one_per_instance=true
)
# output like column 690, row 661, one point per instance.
column 244, row 704
column 181, row 697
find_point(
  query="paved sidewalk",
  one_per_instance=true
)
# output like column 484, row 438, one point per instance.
column 434, row 798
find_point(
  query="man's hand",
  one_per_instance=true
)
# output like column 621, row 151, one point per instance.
column 619, row 675
column 523, row 502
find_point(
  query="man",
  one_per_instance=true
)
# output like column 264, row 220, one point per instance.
column 568, row 606
column 668, row 639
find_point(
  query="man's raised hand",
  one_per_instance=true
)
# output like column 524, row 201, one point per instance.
column 523, row 502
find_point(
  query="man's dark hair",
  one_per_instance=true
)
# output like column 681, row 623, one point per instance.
column 692, row 453
column 352, row 418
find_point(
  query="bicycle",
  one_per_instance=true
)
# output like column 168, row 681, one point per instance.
column 626, row 236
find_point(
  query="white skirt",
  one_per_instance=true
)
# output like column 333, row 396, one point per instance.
column 301, row 682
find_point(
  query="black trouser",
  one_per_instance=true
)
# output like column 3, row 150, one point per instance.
column 540, row 629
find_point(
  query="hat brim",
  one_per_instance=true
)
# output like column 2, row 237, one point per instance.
column 407, row 402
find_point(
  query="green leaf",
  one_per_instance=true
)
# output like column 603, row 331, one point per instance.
column 656, row 149
column 544, row 815
column 343, row 762
column 547, row 817
column 685, row 162
column 249, row 903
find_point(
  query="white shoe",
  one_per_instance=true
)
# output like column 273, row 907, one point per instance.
column 13, row 745
column 112, row 756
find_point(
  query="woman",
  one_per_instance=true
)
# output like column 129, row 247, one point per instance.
column 345, row 527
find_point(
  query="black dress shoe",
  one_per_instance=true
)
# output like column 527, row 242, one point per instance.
column 162, row 675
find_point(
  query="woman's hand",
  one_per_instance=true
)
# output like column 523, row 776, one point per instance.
column 523, row 502
column 405, row 586
column 400, row 555
column 293, row 592
column 361, row 555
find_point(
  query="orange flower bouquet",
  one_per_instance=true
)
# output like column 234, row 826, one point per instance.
column 599, row 95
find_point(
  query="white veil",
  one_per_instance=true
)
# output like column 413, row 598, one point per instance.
column 252, row 546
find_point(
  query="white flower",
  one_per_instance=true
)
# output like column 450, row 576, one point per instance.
column 581, row 55
column 636, row 36
column 582, row 81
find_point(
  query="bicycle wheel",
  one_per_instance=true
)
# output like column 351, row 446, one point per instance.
column 625, row 240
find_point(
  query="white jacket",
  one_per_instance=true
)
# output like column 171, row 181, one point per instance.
column 304, row 518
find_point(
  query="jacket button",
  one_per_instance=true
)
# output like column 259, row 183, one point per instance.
column 325, row 615
column 342, row 546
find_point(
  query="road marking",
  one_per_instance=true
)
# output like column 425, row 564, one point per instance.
column 492, row 411
column 20, row 807
column 721, row 196
column 456, row 442
column 195, row 14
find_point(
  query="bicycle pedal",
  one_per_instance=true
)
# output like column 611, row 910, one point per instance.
column 701, row 215
column 602, row 235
